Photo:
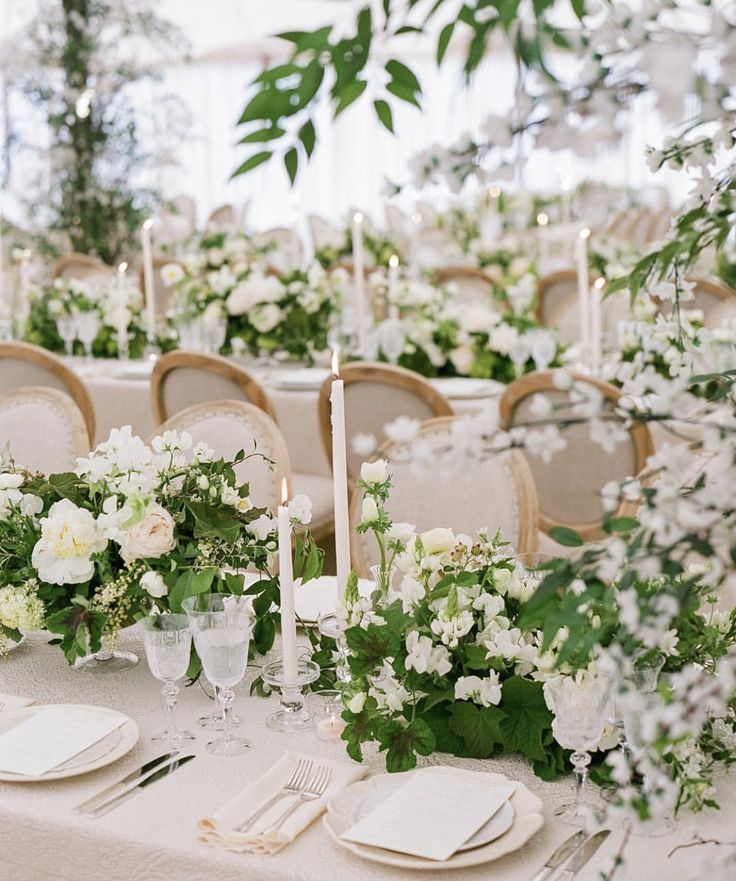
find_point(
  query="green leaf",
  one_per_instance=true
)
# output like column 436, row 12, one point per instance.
column 578, row 7
column 370, row 647
column 349, row 93
column 312, row 78
column 622, row 524
column 304, row 40
column 402, row 74
column 444, row 41
column 565, row 536
column 401, row 90
column 475, row 657
column 291, row 163
column 479, row 727
column 360, row 728
column 308, row 137
column 404, row 742
column 263, row 134
column 269, row 103
column 526, row 718
column 384, row 114
column 190, row 584
column 254, row 161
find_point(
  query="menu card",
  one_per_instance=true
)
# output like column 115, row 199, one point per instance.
column 52, row 736
column 431, row 815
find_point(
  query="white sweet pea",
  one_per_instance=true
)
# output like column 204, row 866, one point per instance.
column 402, row 532
column 261, row 527
column 300, row 508
column 374, row 473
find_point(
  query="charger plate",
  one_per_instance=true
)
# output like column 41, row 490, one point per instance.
column 528, row 820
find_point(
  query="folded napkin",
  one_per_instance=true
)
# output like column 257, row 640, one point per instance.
column 12, row 702
column 217, row 830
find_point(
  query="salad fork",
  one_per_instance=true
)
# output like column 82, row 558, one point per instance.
column 294, row 786
column 312, row 791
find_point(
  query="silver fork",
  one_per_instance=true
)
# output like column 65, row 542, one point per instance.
column 315, row 789
column 297, row 782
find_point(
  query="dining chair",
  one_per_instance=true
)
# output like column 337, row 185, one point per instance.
column 288, row 250
column 710, row 296
column 79, row 266
column 323, row 233
column 223, row 215
column 181, row 379
column 493, row 492
column 42, row 429
column 161, row 293
column 569, row 485
column 376, row 394
column 230, row 426
column 22, row 364
column 557, row 304
column 472, row 284
column 186, row 208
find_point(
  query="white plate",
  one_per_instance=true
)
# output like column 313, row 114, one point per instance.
column 528, row 821
column 299, row 379
column 385, row 785
column 464, row 387
column 320, row 595
column 107, row 750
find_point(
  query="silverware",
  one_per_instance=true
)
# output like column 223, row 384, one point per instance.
column 139, row 774
column 566, row 849
column 297, row 782
column 134, row 788
column 583, row 854
column 312, row 791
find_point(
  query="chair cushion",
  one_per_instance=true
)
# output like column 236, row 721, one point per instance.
column 319, row 490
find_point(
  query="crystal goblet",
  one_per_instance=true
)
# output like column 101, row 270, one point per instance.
column 88, row 326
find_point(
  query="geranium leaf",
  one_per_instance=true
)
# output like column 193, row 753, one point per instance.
column 479, row 727
column 404, row 742
column 526, row 718
column 370, row 647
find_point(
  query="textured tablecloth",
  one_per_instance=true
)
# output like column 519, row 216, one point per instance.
column 152, row 837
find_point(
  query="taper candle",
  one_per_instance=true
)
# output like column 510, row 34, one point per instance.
column 581, row 257
column 148, row 280
column 340, row 479
column 393, row 283
column 286, row 586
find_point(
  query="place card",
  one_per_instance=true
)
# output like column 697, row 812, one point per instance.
column 52, row 736
column 431, row 815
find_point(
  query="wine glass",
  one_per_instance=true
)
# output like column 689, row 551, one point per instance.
column 221, row 627
column 168, row 643
column 88, row 326
column 579, row 704
column 543, row 348
column 67, row 327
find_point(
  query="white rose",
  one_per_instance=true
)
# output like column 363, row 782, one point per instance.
column 357, row 702
column 438, row 541
column 154, row 584
column 300, row 508
column 265, row 317
column 374, row 473
column 69, row 537
column 151, row 537
column 369, row 511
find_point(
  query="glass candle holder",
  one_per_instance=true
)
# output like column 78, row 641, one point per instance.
column 294, row 715
column 326, row 708
column 330, row 625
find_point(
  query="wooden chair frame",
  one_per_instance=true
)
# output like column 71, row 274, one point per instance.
column 91, row 263
column 521, row 475
column 249, row 413
column 641, row 437
column 544, row 284
column 377, row 372
column 216, row 364
column 59, row 399
column 76, row 389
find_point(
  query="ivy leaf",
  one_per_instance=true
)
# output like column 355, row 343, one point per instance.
column 291, row 163
column 254, row 161
column 479, row 727
column 527, row 718
column 404, row 742
column 384, row 114
column 565, row 536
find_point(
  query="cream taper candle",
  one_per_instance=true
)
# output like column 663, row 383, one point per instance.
column 286, row 585
column 393, row 283
column 148, row 282
column 581, row 259
column 340, row 479
column 596, row 324
column 359, row 275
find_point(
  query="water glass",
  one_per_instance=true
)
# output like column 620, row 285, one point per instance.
column 168, row 643
column 580, row 708
column 221, row 626
column 67, row 328
column 88, row 326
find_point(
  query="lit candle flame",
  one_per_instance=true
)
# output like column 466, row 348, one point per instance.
column 147, row 224
column 393, row 261
column 122, row 268
column 584, row 233
column 336, row 363
column 494, row 192
column 542, row 219
column 600, row 282
column 284, row 491
column 358, row 217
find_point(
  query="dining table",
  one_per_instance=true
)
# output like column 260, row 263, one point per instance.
column 153, row 836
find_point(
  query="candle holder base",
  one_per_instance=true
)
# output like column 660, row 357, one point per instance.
column 294, row 715
column 330, row 625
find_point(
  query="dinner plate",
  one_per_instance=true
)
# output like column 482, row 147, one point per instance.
column 527, row 821
column 385, row 785
column 464, row 387
column 319, row 596
column 104, row 752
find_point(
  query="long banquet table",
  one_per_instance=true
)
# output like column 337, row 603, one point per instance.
column 152, row 837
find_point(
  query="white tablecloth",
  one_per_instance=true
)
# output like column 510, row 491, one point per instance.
column 152, row 837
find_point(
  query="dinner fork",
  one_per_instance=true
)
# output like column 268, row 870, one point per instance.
column 312, row 791
column 297, row 782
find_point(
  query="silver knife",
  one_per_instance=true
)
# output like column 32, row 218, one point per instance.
column 583, row 854
column 135, row 788
column 137, row 775
column 568, row 847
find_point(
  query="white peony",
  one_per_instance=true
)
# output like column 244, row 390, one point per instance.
column 438, row 540
column 374, row 473
column 149, row 538
column 266, row 316
column 69, row 537
column 369, row 511
column 300, row 508
column 154, row 584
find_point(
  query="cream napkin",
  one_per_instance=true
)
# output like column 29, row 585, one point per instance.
column 13, row 702
column 217, row 830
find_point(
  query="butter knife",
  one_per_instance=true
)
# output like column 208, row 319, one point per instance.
column 113, row 788
column 134, row 788
column 583, row 854
column 568, row 847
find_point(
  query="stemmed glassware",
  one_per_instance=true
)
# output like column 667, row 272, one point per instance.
column 88, row 326
column 168, row 643
column 222, row 627
column 580, row 708
column 67, row 327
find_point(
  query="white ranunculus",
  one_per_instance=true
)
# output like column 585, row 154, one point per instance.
column 69, row 537
column 149, row 538
column 171, row 274
column 374, row 473
column 261, row 527
column 266, row 316
column 300, row 508
column 369, row 511
column 438, row 540
column 154, row 584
